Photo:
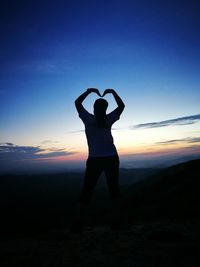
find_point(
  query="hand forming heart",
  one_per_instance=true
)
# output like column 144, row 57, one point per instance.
column 95, row 90
column 107, row 91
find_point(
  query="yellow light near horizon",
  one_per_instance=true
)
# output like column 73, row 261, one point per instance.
column 128, row 142
column 152, row 140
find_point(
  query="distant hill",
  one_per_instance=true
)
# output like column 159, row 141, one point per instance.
column 46, row 201
column 132, row 176
column 172, row 192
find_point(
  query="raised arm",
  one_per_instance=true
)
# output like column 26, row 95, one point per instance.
column 118, row 99
column 82, row 97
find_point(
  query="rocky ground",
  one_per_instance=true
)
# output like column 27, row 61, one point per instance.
column 163, row 243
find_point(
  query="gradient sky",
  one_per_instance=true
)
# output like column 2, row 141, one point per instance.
column 51, row 51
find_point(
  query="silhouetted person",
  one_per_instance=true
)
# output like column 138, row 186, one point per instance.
column 103, row 156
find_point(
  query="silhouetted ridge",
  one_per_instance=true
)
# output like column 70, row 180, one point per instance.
column 171, row 192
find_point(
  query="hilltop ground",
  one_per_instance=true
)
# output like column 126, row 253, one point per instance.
column 163, row 243
column 161, row 215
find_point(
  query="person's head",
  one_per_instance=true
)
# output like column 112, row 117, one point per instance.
column 100, row 106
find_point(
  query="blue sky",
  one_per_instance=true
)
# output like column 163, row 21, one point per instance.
column 51, row 51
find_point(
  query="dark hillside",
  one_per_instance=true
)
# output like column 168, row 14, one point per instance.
column 172, row 192
column 47, row 201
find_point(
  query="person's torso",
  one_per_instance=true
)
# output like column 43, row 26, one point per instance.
column 99, row 139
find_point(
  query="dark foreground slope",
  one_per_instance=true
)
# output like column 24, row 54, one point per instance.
column 43, row 202
column 161, row 218
column 36, row 202
column 171, row 193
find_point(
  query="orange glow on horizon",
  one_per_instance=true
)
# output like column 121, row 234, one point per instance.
column 80, row 156
column 142, row 150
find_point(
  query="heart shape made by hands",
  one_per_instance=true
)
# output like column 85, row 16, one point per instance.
column 107, row 91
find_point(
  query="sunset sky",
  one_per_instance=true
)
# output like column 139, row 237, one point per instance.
column 52, row 51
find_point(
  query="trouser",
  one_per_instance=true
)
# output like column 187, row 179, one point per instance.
column 94, row 167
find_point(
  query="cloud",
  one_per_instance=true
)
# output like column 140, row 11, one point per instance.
column 44, row 142
column 55, row 154
column 189, row 140
column 9, row 151
column 11, row 148
column 8, row 144
column 78, row 131
column 178, row 121
column 172, row 122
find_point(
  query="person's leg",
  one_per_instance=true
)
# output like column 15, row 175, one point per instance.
column 92, row 173
column 111, row 168
column 112, row 177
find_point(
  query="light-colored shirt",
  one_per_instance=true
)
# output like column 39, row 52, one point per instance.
column 99, row 139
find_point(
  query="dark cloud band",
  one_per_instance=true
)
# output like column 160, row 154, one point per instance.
column 178, row 121
column 189, row 140
column 9, row 151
